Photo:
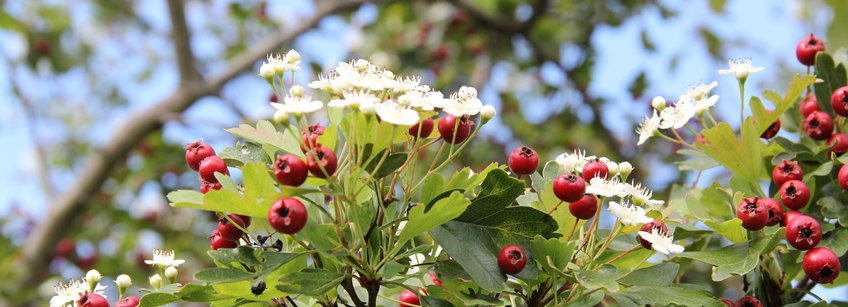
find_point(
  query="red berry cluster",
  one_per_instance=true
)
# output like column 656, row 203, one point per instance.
column 201, row 158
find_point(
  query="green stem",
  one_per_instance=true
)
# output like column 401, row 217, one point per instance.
column 741, row 103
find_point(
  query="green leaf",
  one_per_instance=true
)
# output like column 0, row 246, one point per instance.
column 836, row 240
column 257, row 181
column 647, row 295
column 662, row 274
column 553, row 253
column 731, row 229
column 834, row 77
column 834, row 209
column 444, row 210
column 699, row 161
column 273, row 261
column 310, row 281
column 265, row 133
column 241, row 254
column 157, row 299
column 433, row 185
column 222, row 275
column 391, row 164
column 474, row 250
column 427, row 300
column 742, row 157
column 244, row 154
column 603, row 277
column 737, row 259
column 181, row 198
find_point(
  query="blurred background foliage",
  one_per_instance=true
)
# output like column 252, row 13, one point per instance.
column 74, row 71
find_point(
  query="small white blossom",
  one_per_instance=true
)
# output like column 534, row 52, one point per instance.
column 409, row 83
column 298, row 105
column 612, row 167
column 706, row 103
column 467, row 92
column 699, row 91
column 659, row 103
column 296, row 91
column 361, row 64
column 741, row 68
column 425, row 101
column 677, row 116
column 323, row 83
column 464, row 102
column 92, row 277
column 488, row 112
column 663, row 243
column 354, row 99
column 276, row 62
column 123, row 281
column 572, row 162
column 164, row 258
column 66, row 293
column 628, row 214
column 624, row 168
column 394, row 113
column 606, row 187
column 266, row 71
column 642, row 195
column 292, row 60
column 649, row 126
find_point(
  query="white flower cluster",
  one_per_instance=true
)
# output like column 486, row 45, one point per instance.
column 277, row 64
column 364, row 87
column 68, row 293
column 695, row 101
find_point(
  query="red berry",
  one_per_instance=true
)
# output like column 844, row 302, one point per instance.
column 785, row 171
column 809, row 105
column 585, row 208
column 775, row 211
column 273, row 97
column 753, row 215
column 569, row 187
column 426, row 128
column 287, row 215
column 789, row 216
column 310, row 136
column 772, row 129
column 246, row 218
column 290, row 170
column 205, row 187
column 749, row 301
column 594, row 169
column 220, row 242
column 803, row 232
column 92, row 300
column 129, row 301
column 818, row 125
column 453, row 132
column 65, row 247
column 807, row 49
column 196, row 152
column 843, row 177
column 839, row 101
column 794, row 194
column 649, row 227
column 511, row 259
column 326, row 160
column 409, row 299
column 822, row 265
column 228, row 230
column 210, row 166
column 523, row 160
column 436, row 280
column 841, row 145
column 727, row 302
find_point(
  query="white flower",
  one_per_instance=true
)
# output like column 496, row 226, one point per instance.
column 570, row 162
column 698, row 92
column 274, row 61
column 354, row 99
column 123, row 281
column 624, row 168
column 663, row 243
column 463, row 102
column 324, row 82
column 409, row 83
column 628, row 214
column 642, row 195
column 466, row 93
column 604, row 187
column 428, row 101
column 487, row 112
column 266, row 71
column 164, row 258
column 659, row 103
column 66, row 293
column 292, row 59
column 648, row 127
column 612, row 167
column 93, row 277
column 741, row 68
column 677, row 116
column 296, row 91
column 390, row 111
column 298, row 105
column 706, row 103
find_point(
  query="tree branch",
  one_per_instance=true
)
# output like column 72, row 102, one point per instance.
column 101, row 161
column 182, row 42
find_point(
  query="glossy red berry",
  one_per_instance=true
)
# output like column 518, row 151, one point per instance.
column 803, row 232
column 426, row 127
column 649, row 228
column 523, row 160
column 287, row 215
column 585, row 208
column 749, row 301
column 217, row 241
column 324, row 165
column 839, row 101
column 290, row 170
column 821, row 265
column 818, row 125
column 772, row 129
column 842, row 177
column 839, row 141
column 807, row 49
column 310, row 136
column 785, row 171
column 409, row 299
column 196, row 152
column 206, row 187
column 210, row 166
column 229, row 230
column 92, row 300
column 453, row 132
column 794, row 194
column 789, row 215
column 512, row 259
column 775, row 211
column 727, row 302
column 569, row 187
column 753, row 215
column 436, row 280
column 595, row 168
column 129, row 301
column 809, row 105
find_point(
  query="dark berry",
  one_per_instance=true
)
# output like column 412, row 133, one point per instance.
column 511, row 259
column 324, row 165
column 287, row 215
column 92, row 300
column 426, row 126
column 839, row 101
column 453, row 132
column 803, row 232
column 196, row 152
column 749, row 301
column 217, row 241
column 839, row 141
column 818, row 125
column 772, row 129
column 409, row 299
column 569, row 187
column 809, row 105
column 775, row 211
column 523, row 160
column 258, row 288
column 585, row 208
column 842, row 177
column 794, row 194
column 229, row 230
column 290, row 170
column 789, row 216
column 753, row 215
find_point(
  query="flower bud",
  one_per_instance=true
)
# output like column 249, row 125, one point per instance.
column 388, row 74
column 123, row 281
column 658, row 103
column 625, row 168
column 267, row 71
column 292, row 56
column 612, row 167
column 171, row 274
column 487, row 112
column 281, row 117
column 296, row 91
column 93, row 277
column 156, row 281
column 361, row 64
